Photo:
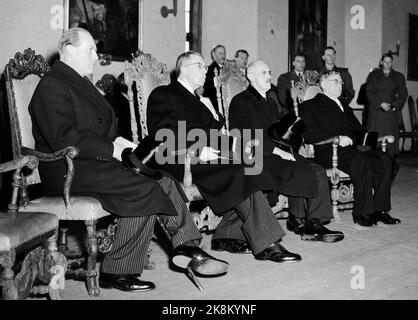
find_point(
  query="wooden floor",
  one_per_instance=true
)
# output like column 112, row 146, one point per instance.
column 370, row 263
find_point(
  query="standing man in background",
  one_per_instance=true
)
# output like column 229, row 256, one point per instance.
column 329, row 56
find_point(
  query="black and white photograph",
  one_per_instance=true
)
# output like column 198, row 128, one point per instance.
column 209, row 159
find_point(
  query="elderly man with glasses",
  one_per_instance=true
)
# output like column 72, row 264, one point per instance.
column 326, row 116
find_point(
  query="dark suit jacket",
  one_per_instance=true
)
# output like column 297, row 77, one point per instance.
column 284, row 86
column 209, row 87
column 222, row 185
column 348, row 91
column 67, row 110
column 323, row 120
column 391, row 89
column 249, row 110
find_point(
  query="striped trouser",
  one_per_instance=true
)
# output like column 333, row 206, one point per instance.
column 129, row 250
column 252, row 220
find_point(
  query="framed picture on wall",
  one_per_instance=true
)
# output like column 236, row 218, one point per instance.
column 114, row 24
column 413, row 48
column 308, row 30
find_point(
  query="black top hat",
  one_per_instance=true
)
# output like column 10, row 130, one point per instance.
column 287, row 131
column 366, row 140
column 139, row 160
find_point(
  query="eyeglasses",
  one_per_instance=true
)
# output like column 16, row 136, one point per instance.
column 336, row 81
column 201, row 65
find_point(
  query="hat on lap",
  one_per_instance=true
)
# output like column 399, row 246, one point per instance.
column 139, row 160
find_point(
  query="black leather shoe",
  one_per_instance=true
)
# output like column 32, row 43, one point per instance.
column 124, row 282
column 230, row 245
column 365, row 220
column 320, row 233
column 385, row 217
column 199, row 261
column 277, row 253
column 295, row 224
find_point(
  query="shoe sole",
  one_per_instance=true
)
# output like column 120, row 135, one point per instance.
column 220, row 249
column 105, row 285
column 210, row 268
column 286, row 261
column 317, row 237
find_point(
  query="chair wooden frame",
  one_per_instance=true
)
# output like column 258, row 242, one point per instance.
column 18, row 68
column 38, row 264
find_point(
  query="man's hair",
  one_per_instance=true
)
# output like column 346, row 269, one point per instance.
column 253, row 65
column 70, row 36
column 387, row 55
column 299, row 54
column 212, row 52
column 241, row 51
column 328, row 74
column 329, row 48
column 185, row 56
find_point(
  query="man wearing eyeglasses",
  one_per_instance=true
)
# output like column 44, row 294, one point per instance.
column 225, row 186
column 326, row 116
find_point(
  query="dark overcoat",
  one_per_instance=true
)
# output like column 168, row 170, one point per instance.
column 391, row 89
column 249, row 110
column 67, row 110
column 222, row 185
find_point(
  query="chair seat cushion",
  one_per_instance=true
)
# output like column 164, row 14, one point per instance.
column 21, row 227
column 342, row 174
column 81, row 208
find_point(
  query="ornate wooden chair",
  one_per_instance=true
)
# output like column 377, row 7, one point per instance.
column 342, row 190
column 24, row 232
column 147, row 74
column 22, row 76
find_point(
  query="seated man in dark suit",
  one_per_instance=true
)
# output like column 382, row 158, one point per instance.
column 293, row 175
column 248, row 223
column 218, row 55
column 67, row 110
column 326, row 117
column 284, row 82
column 329, row 57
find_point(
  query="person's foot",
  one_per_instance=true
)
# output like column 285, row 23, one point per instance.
column 277, row 253
column 230, row 245
column 124, row 282
column 317, row 232
column 295, row 224
column 365, row 220
column 385, row 217
column 199, row 261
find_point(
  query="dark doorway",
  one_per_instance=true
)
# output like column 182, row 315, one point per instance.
column 308, row 30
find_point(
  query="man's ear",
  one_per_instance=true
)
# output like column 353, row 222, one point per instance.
column 323, row 57
column 293, row 63
column 250, row 77
column 69, row 50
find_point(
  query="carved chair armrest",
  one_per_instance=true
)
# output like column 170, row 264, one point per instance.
column 68, row 153
column 30, row 162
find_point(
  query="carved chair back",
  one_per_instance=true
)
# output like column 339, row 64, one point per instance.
column 148, row 74
column 230, row 81
column 23, row 74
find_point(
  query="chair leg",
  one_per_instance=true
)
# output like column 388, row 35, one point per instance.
column 57, row 282
column 63, row 241
column 9, row 290
column 334, row 198
column 91, row 279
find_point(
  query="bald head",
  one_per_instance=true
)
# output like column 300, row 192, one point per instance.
column 259, row 74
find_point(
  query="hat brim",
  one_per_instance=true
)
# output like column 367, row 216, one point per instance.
column 131, row 162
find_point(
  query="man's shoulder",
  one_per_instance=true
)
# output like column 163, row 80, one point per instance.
column 286, row 75
column 242, row 98
column 317, row 100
